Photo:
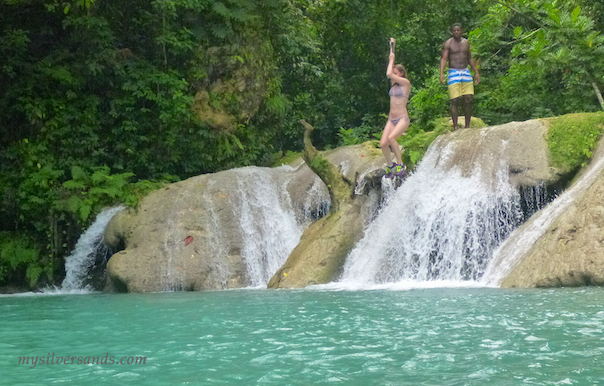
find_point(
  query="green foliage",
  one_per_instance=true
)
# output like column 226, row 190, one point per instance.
column 92, row 87
column 571, row 138
column 92, row 191
column 89, row 191
column 417, row 141
column 20, row 260
column 429, row 103
column 538, row 59
column 352, row 55
column 320, row 163
column 286, row 158
column 94, row 95
column 369, row 129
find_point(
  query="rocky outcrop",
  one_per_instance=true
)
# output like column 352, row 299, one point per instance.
column 525, row 153
column 562, row 245
column 320, row 255
column 571, row 252
column 323, row 248
column 195, row 234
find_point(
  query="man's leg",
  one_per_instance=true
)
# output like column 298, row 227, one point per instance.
column 468, row 108
column 454, row 113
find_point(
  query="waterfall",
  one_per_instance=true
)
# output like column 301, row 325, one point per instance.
column 85, row 252
column 269, row 227
column 441, row 225
column 260, row 224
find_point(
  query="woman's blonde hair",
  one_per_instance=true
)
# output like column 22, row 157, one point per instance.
column 401, row 69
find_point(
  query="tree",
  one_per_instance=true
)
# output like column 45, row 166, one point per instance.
column 549, row 52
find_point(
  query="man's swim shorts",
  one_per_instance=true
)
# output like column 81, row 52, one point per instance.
column 460, row 83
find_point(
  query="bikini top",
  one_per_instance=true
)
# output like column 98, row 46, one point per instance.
column 396, row 91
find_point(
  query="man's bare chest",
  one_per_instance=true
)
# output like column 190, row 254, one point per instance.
column 456, row 48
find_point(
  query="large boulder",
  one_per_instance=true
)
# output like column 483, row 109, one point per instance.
column 525, row 153
column 199, row 234
column 325, row 245
column 562, row 245
column 571, row 252
column 320, row 255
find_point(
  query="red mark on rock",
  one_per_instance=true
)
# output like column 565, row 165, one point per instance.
column 188, row 240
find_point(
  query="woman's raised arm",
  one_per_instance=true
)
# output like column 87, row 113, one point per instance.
column 391, row 60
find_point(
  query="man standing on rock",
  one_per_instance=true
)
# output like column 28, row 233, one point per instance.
column 457, row 52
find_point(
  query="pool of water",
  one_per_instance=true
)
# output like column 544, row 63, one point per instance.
column 431, row 336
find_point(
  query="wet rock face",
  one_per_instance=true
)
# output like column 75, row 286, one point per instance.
column 519, row 149
column 323, row 248
column 571, row 251
column 561, row 245
column 199, row 234
column 168, row 239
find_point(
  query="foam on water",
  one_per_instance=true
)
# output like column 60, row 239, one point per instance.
column 469, row 336
column 402, row 285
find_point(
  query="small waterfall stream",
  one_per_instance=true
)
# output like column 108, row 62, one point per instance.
column 268, row 222
column 83, row 257
column 440, row 225
column 267, row 226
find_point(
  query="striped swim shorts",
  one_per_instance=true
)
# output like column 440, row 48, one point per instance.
column 460, row 83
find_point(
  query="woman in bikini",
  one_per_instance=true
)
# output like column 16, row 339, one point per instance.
column 398, row 119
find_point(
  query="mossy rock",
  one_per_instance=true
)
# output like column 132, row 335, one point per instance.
column 322, row 251
column 572, row 138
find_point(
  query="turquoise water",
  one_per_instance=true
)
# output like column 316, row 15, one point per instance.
column 438, row 336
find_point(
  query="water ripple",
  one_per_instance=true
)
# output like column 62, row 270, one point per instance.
column 444, row 336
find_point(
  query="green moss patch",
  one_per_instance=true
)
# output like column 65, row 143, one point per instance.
column 321, row 166
column 572, row 138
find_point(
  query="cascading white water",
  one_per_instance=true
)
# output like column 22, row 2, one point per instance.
column 83, row 256
column 260, row 224
column 269, row 227
column 439, row 225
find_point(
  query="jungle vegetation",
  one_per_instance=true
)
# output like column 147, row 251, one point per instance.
column 102, row 101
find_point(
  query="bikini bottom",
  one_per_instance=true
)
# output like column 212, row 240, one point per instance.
column 396, row 121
